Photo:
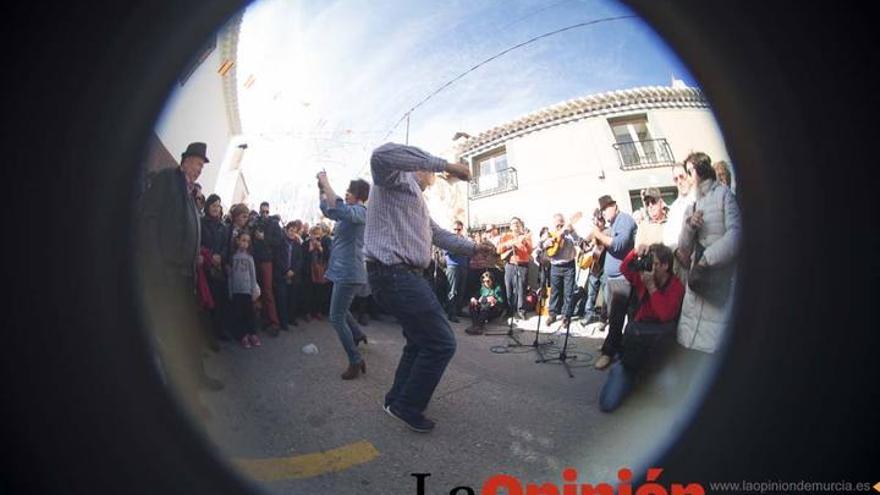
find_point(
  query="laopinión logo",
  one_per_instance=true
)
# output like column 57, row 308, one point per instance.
column 499, row 484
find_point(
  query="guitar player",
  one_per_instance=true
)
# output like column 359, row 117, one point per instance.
column 515, row 248
column 560, row 245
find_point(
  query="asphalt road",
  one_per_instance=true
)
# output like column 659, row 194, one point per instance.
column 289, row 422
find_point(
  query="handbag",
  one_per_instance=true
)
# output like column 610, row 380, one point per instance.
column 712, row 283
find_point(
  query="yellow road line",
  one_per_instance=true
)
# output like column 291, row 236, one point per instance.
column 308, row 465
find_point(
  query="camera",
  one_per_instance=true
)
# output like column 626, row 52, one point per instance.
column 643, row 263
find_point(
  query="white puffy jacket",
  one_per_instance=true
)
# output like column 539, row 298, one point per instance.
column 702, row 323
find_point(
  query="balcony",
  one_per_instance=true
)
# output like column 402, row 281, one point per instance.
column 650, row 153
column 491, row 184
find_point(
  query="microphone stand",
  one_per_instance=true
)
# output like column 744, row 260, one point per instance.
column 542, row 296
column 563, row 357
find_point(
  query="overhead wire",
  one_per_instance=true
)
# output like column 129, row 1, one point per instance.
column 498, row 55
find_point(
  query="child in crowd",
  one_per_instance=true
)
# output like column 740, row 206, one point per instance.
column 245, row 292
column 486, row 306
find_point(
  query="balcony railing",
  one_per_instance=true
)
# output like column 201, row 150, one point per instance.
column 491, row 184
column 649, row 153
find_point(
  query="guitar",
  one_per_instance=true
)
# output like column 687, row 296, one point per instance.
column 557, row 237
column 507, row 253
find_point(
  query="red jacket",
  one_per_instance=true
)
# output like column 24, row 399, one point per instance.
column 663, row 305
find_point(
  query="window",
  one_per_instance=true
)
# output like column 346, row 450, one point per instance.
column 488, row 168
column 492, row 174
column 636, row 147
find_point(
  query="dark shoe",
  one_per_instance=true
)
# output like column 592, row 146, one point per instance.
column 358, row 340
column 294, row 323
column 362, row 319
column 566, row 322
column 354, row 370
column 453, row 319
column 272, row 330
column 551, row 319
column 286, row 328
column 419, row 424
column 307, row 318
column 211, row 384
column 475, row 330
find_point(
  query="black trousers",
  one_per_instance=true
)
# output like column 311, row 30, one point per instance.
column 173, row 306
column 281, row 289
column 562, row 282
column 219, row 316
column 242, row 309
column 647, row 344
column 617, row 300
column 516, row 288
column 481, row 314
column 295, row 300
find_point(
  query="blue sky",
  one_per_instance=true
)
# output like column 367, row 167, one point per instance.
column 332, row 78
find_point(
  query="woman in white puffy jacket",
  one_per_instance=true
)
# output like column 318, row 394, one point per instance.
column 713, row 224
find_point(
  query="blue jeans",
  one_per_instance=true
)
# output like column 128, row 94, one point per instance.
column 345, row 324
column 430, row 343
column 616, row 388
column 456, row 275
column 593, row 283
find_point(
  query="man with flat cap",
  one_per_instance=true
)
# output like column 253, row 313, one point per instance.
column 168, row 248
column 617, row 245
column 653, row 218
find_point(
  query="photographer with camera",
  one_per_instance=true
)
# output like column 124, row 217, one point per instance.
column 651, row 332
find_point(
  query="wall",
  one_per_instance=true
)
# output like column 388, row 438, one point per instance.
column 561, row 168
column 197, row 112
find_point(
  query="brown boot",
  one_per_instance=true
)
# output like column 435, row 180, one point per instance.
column 354, row 370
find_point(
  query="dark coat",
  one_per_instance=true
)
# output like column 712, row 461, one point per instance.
column 169, row 225
column 264, row 250
column 215, row 237
column 288, row 256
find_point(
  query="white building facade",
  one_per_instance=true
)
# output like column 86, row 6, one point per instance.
column 204, row 107
column 563, row 158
